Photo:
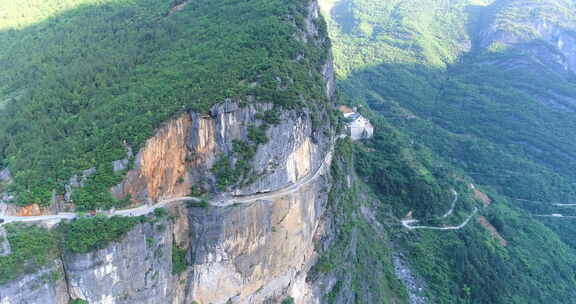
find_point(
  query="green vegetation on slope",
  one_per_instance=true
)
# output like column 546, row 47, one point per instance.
column 449, row 113
column 471, row 266
column 468, row 265
column 359, row 249
column 179, row 263
column 32, row 248
column 87, row 76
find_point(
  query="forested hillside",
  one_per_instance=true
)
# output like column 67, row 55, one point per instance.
column 81, row 79
column 469, row 93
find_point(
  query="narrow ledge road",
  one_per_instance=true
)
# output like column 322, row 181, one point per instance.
column 147, row 209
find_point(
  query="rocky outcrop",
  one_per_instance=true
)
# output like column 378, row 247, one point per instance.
column 414, row 285
column 5, row 197
column 77, row 182
column 137, row 269
column 5, row 248
column 45, row 286
column 160, row 167
column 5, row 176
column 183, row 152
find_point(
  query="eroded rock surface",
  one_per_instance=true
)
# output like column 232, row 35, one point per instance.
column 137, row 269
column 183, row 152
column 45, row 286
column 257, row 252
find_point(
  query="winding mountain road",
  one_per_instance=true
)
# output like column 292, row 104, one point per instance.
column 147, row 209
column 449, row 212
column 554, row 215
column 407, row 223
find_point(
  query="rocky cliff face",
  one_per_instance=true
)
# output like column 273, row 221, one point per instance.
column 183, row 152
column 46, row 286
column 257, row 252
column 5, row 248
column 248, row 253
column 135, row 270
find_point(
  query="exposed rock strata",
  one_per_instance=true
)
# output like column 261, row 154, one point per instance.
column 182, row 153
column 257, row 252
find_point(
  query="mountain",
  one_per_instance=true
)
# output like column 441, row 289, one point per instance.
column 475, row 96
column 193, row 151
column 163, row 152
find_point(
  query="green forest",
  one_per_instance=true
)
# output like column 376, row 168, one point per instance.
column 452, row 108
column 68, row 65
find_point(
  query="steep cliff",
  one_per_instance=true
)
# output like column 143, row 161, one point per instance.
column 46, row 285
column 258, row 252
column 182, row 154
column 138, row 269
column 251, row 252
column 271, row 158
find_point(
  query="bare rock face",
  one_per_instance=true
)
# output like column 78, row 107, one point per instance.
column 46, row 286
column 5, row 197
column 5, row 248
column 249, row 253
column 257, row 252
column 160, row 167
column 137, row 269
column 5, row 176
column 183, row 152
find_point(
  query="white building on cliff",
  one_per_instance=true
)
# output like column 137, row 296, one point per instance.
column 357, row 126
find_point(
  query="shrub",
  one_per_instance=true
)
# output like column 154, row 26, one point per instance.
column 288, row 300
column 179, row 263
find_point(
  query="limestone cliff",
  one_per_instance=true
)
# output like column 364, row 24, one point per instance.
column 134, row 270
column 45, row 286
column 183, row 152
column 257, row 252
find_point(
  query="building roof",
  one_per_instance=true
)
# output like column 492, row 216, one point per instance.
column 354, row 116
